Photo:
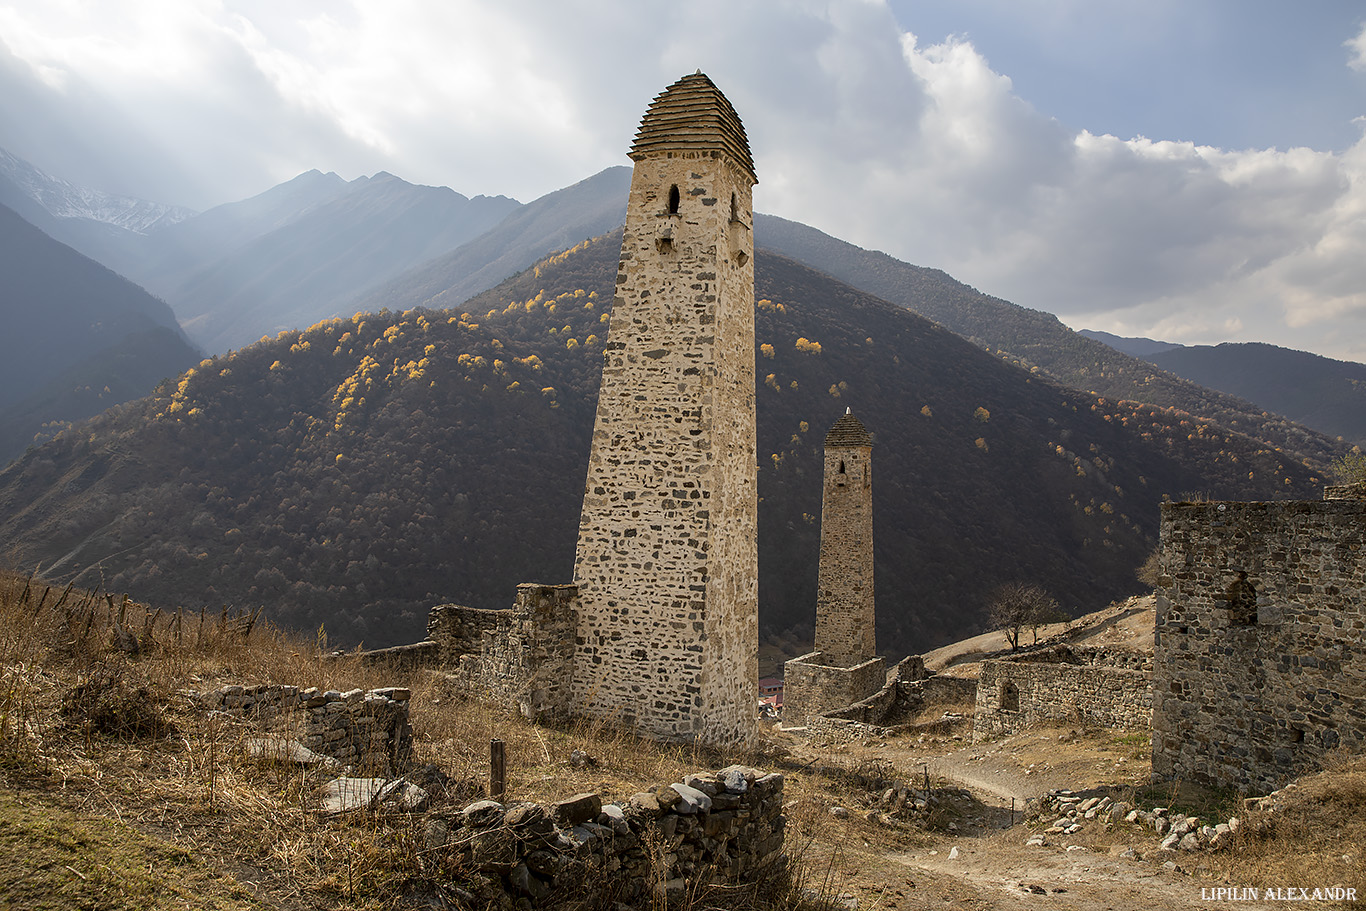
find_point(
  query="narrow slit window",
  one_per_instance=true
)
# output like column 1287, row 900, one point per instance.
column 673, row 199
column 734, row 208
column 841, row 466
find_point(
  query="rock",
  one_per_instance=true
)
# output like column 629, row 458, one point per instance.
column 493, row 849
column 1160, row 825
column 691, row 800
column 1189, row 842
column 579, row 759
column 839, row 812
column 707, row 784
column 529, row 820
column 1075, row 848
column 1118, row 811
column 287, row 750
column 737, row 778
column 527, row 883
column 646, row 803
column 435, row 832
column 402, row 796
column 1036, row 841
column 953, row 853
column 1170, row 842
column 348, row 795
column 576, row 810
column 483, row 813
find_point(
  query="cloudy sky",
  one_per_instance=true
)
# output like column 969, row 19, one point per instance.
column 1190, row 170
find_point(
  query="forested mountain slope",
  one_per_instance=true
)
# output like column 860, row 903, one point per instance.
column 357, row 473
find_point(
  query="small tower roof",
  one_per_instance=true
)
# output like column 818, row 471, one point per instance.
column 693, row 116
column 848, row 432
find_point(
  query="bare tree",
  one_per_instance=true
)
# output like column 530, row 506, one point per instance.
column 1017, row 605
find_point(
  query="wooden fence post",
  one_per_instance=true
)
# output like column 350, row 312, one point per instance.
column 497, row 770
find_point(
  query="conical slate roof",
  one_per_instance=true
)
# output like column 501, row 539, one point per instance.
column 848, row 432
column 693, row 116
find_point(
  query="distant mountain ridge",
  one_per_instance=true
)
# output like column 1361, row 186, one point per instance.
column 1138, row 347
column 62, row 199
column 1316, row 391
column 85, row 337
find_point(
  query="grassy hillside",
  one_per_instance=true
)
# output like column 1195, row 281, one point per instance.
column 357, row 473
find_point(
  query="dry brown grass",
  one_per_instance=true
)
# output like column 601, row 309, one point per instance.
column 1316, row 836
column 96, row 722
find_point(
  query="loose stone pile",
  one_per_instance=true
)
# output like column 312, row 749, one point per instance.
column 1179, row 832
column 725, row 826
column 363, row 731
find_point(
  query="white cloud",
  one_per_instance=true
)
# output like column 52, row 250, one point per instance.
column 1356, row 49
column 858, row 128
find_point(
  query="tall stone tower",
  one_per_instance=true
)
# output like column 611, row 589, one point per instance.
column 844, row 583
column 667, row 562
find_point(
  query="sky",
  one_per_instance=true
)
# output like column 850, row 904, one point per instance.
column 1187, row 170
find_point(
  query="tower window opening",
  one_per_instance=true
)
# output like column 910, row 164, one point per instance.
column 674, row 199
column 734, row 208
column 841, row 466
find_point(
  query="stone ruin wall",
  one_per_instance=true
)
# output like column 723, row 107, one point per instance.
column 667, row 555
column 661, row 845
column 368, row 732
column 521, row 657
column 1257, row 677
column 1092, row 688
column 811, row 689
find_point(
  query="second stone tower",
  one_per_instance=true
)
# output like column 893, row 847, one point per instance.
column 667, row 561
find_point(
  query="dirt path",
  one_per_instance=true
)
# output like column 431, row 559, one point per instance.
column 986, row 864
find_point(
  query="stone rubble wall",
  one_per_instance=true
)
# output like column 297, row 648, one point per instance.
column 1260, row 640
column 1112, row 697
column 811, row 688
column 722, row 827
column 521, row 657
column 367, row 732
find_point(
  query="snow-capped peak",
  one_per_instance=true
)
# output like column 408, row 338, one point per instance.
column 63, row 199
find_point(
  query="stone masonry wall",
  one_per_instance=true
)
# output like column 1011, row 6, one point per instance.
column 845, row 619
column 661, row 845
column 521, row 657
column 667, row 562
column 368, row 732
column 1112, row 697
column 811, row 688
column 1260, row 646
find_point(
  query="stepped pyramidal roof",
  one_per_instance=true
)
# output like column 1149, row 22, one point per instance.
column 848, row 431
column 693, row 116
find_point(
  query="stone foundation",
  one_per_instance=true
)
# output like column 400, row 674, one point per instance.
column 367, row 732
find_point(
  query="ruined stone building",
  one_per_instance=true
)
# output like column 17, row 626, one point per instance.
column 1064, row 684
column 667, row 560
column 844, row 668
column 1260, row 642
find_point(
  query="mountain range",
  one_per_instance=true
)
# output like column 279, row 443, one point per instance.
column 354, row 473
